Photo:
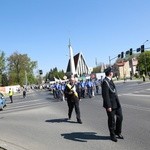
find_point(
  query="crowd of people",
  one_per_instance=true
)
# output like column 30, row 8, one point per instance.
column 74, row 90
column 87, row 88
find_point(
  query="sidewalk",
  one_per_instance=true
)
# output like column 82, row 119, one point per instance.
column 134, row 80
column 4, row 145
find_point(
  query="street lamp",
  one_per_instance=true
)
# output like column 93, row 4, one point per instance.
column 145, row 60
column 26, row 79
column 110, row 59
column 145, row 42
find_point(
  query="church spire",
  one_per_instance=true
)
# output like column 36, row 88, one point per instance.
column 72, row 65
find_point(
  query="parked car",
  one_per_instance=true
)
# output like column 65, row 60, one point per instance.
column 2, row 101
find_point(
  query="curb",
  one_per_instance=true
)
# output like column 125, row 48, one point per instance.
column 10, row 146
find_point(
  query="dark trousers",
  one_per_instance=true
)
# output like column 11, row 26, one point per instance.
column 11, row 98
column 115, row 118
column 89, row 91
column 97, row 89
column 71, row 105
column 24, row 94
column 79, row 93
column 83, row 93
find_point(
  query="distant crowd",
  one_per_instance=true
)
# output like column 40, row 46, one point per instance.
column 87, row 88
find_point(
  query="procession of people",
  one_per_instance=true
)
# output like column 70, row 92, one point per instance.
column 85, row 88
column 74, row 90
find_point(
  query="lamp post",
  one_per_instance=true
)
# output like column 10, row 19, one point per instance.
column 145, row 42
column 110, row 59
column 26, row 79
column 145, row 60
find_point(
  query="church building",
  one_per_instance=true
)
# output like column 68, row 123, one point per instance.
column 80, row 65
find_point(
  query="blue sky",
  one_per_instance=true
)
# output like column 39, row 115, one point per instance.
column 97, row 28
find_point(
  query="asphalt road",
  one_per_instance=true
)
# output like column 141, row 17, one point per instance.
column 39, row 122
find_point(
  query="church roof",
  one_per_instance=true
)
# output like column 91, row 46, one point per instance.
column 76, row 58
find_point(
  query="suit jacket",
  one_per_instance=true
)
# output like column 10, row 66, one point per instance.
column 70, row 94
column 109, row 94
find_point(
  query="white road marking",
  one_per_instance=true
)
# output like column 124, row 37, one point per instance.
column 136, row 107
column 131, row 94
column 23, row 106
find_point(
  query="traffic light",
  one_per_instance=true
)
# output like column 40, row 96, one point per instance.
column 142, row 48
column 138, row 50
column 40, row 72
column 122, row 54
column 127, row 52
column 119, row 55
column 131, row 51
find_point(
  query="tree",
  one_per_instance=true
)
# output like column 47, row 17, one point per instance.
column 2, row 66
column 96, row 69
column 144, row 62
column 54, row 73
column 116, row 70
column 20, row 67
column 100, row 68
column 4, row 81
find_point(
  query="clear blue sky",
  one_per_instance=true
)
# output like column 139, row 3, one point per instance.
column 97, row 28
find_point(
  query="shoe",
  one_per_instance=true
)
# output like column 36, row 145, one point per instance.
column 69, row 118
column 79, row 121
column 120, row 136
column 113, row 138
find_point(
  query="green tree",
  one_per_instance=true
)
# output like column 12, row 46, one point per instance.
column 4, row 80
column 54, row 73
column 144, row 62
column 2, row 66
column 96, row 69
column 20, row 68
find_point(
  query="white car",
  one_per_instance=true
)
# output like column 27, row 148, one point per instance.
column 2, row 101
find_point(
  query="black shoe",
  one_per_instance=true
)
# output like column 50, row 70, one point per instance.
column 113, row 138
column 120, row 136
column 79, row 121
column 69, row 117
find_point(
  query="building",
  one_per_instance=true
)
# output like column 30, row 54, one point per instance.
column 80, row 65
column 127, row 68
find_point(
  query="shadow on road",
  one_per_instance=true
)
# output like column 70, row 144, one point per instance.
column 60, row 120
column 84, row 136
column 53, row 99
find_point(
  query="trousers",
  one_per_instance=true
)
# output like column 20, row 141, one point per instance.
column 71, row 105
column 115, row 119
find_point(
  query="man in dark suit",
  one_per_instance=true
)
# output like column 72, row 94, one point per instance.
column 72, row 99
column 112, row 105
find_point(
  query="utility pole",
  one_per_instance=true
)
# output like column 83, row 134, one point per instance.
column 26, row 79
column 145, row 59
column 110, row 59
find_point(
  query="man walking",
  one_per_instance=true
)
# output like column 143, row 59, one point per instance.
column 72, row 99
column 112, row 105
column 10, row 95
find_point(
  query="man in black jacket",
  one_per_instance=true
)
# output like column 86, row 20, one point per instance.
column 72, row 99
column 112, row 105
